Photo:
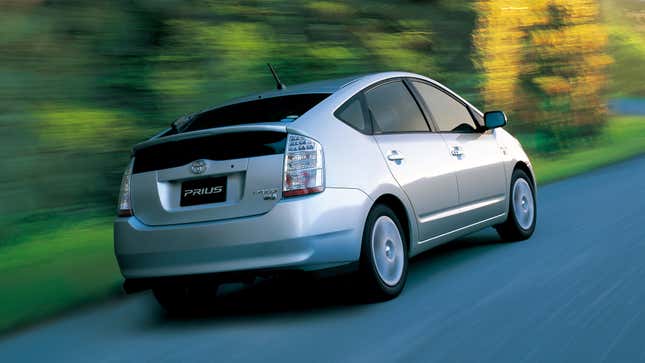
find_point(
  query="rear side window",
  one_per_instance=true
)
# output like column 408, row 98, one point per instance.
column 394, row 110
column 351, row 113
column 449, row 114
column 274, row 109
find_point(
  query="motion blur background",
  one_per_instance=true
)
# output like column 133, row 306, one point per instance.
column 82, row 81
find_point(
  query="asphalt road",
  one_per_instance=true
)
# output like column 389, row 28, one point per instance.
column 575, row 292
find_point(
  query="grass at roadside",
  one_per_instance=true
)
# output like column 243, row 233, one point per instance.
column 71, row 261
column 49, row 272
column 623, row 138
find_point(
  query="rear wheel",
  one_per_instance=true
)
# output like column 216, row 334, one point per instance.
column 522, row 210
column 384, row 255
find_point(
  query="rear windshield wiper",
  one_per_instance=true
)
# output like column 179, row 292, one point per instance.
column 181, row 123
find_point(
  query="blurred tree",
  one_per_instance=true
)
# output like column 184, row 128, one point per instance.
column 545, row 63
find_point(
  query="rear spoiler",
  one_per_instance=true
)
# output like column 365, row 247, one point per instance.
column 269, row 126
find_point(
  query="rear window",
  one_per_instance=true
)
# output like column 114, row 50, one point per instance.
column 236, row 145
column 274, row 109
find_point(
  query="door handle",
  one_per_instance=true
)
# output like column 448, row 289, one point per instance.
column 457, row 151
column 395, row 156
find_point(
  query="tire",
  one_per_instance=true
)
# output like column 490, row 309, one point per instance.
column 184, row 300
column 383, row 266
column 522, row 209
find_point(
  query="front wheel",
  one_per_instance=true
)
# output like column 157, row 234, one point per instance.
column 384, row 255
column 522, row 211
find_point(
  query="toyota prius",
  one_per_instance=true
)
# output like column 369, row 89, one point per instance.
column 360, row 173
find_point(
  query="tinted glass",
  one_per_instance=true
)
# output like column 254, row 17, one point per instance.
column 274, row 109
column 394, row 109
column 449, row 114
column 236, row 145
column 352, row 114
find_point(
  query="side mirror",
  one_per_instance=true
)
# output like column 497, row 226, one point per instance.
column 494, row 119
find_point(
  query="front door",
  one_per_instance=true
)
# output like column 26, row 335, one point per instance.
column 478, row 159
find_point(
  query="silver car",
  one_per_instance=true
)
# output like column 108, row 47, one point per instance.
column 362, row 172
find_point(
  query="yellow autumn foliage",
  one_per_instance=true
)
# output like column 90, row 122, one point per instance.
column 544, row 61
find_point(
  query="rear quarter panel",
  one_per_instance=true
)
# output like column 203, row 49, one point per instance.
column 352, row 159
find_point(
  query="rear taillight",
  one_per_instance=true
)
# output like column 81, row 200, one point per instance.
column 304, row 171
column 125, row 207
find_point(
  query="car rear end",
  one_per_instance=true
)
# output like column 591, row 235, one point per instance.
column 234, row 196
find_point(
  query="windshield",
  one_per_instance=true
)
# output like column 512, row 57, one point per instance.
column 274, row 109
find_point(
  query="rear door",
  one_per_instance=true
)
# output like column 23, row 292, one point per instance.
column 476, row 155
column 225, row 162
column 209, row 175
column 416, row 157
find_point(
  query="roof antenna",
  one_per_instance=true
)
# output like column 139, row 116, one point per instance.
column 279, row 85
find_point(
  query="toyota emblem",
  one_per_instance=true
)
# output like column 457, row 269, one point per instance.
column 198, row 166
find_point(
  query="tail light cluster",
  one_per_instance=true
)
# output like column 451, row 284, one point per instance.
column 125, row 207
column 304, row 171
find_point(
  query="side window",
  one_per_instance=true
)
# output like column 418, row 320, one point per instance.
column 394, row 110
column 351, row 113
column 449, row 114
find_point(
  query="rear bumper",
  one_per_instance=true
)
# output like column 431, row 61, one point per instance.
column 303, row 233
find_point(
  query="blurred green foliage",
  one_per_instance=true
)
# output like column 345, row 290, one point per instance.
column 83, row 81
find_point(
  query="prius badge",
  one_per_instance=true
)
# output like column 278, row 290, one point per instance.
column 198, row 166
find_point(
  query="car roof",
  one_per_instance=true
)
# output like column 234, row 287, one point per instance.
column 324, row 86
column 329, row 86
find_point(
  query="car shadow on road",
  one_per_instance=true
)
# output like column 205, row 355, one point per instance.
column 304, row 294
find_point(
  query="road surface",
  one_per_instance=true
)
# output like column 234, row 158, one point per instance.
column 575, row 292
